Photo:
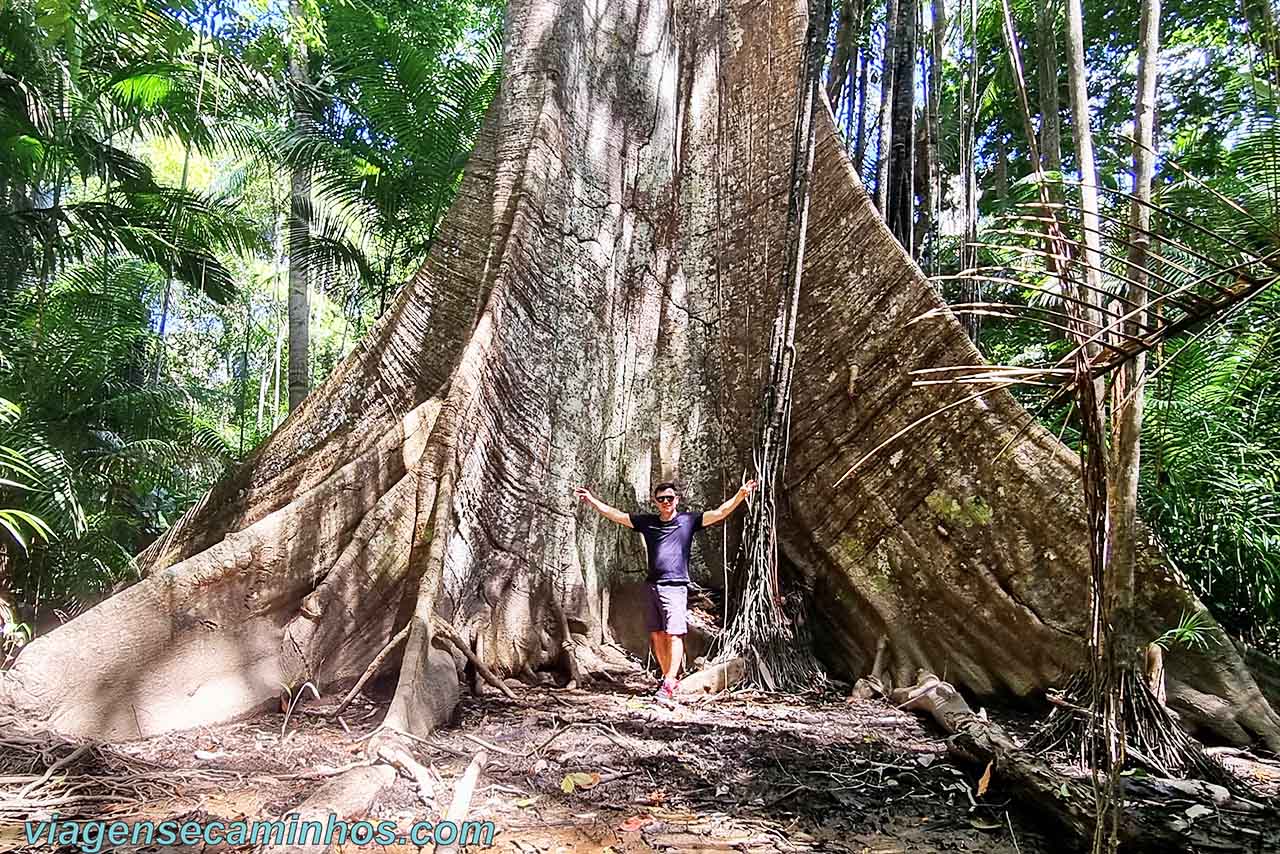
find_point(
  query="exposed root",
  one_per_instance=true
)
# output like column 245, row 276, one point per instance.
column 1154, row 741
column 370, row 671
column 715, row 678
column 347, row 796
column 446, row 631
column 1157, row 814
column 577, row 674
column 388, row 747
column 461, row 803
column 878, row 684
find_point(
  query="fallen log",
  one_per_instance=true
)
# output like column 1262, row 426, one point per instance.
column 1157, row 814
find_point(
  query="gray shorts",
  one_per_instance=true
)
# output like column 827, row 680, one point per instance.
column 665, row 608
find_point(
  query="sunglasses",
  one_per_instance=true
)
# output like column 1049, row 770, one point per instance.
column 665, row 499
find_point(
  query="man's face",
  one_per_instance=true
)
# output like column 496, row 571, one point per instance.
column 666, row 500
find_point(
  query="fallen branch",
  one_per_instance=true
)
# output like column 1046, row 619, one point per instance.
column 461, row 803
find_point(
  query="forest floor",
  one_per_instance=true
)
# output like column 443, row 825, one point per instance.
column 742, row 771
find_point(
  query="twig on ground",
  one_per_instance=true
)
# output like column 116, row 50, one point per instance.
column 490, row 746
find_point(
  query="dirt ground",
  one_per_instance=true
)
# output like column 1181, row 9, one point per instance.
column 740, row 772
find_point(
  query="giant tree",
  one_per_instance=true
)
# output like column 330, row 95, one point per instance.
column 596, row 310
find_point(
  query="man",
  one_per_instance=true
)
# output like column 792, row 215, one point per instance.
column 668, row 535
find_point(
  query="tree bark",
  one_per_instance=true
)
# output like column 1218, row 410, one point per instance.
column 595, row 312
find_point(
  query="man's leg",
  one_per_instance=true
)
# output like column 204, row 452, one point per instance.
column 674, row 602
column 661, row 649
column 675, row 657
column 655, row 623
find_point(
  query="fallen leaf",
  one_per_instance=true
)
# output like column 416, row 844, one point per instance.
column 526, row 802
column 1198, row 811
column 635, row 823
column 985, row 781
column 579, row 780
column 1062, row 791
column 656, row 797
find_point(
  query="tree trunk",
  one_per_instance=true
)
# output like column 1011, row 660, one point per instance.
column 1047, row 82
column 968, row 118
column 860, row 135
column 1001, row 168
column 1127, row 387
column 594, row 313
column 900, row 213
column 299, row 235
column 884, row 155
column 1082, row 134
column 931, row 197
column 839, row 75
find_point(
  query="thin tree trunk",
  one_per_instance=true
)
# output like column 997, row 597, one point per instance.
column 883, row 154
column 1127, row 389
column 840, row 71
column 1047, row 80
column 1082, row 134
column 860, row 135
column 182, row 186
column 275, row 374
column 901, row 203
column 968, row 109
column 1002, row 168
column 1050, row 124
column 933, row 163
column 299, row 235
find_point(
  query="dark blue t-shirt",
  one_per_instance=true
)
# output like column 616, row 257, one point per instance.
column 668, row 544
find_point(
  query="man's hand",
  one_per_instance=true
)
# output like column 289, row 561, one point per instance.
column 713, row 517
column 612, row 514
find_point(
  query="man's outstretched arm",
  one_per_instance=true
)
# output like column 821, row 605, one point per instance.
column 613, row 514
column 712, row 517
